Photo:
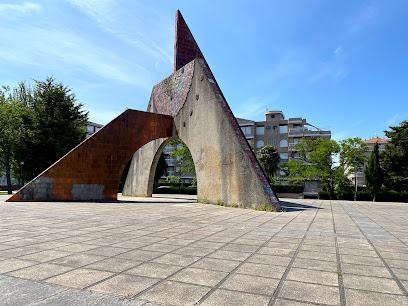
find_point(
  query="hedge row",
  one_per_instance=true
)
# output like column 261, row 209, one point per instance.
column 175, row 190
column 287, row 188
column 382, row 196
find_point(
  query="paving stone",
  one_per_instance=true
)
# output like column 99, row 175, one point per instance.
column 401, row 273
column 262, row 270
column 192, row 251
column 40, row 271
column 14, row 264
column 77, row 260
column 317, row 255
column 79, row 278
column 371, row 283
column 250, row 284
column 313, row 276
column 160, row 247
column 45, row 256
column 176, row 259
column 363, row 298
column 269, row 259
column 238, row 256
column 283, row 302
column 310, row 293
column 361, row 260
column 365, row 270
column 106, row 251
column 124, row 285
column 174, row 293
column 233, row 298
column 113, row 264
column 199, row 276
column 140, row 255
column 216, row 264
column 276, row 251
column 154, row 270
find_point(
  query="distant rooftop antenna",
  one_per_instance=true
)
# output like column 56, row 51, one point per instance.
column 375, row 134
column 266, row 107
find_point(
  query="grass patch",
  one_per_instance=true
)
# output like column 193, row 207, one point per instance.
column 265, row 207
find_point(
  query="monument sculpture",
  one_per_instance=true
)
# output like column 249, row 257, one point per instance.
column 188, row 105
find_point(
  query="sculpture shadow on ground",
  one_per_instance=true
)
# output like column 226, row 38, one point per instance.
column 292, row 206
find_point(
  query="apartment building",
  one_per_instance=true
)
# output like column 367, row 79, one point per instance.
column 92, row 128
column 174, row 167
column 359, row 176
column 283, row 134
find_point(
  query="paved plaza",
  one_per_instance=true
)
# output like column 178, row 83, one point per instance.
column 170, row 250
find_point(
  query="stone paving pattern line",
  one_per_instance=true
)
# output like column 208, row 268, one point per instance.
column 173, row 251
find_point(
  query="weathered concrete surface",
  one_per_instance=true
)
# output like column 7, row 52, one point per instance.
column 92, row 170
column 140, row 178
column 173, row 251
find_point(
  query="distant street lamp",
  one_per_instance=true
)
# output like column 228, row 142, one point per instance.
column 355, row 183
column 20, row 181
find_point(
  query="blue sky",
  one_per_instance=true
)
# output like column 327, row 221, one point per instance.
column 342, row 65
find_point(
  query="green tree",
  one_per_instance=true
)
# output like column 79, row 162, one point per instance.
column 394, row 158
column 317, row 161
column 269, row 159
column 12, row 131
column 57, row 123
column 373, row 173
column 183, row 156
column 172, row 179
column 353, row 157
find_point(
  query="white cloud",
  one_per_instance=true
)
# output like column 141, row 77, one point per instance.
column 24, row 8
column 254, row 107
column 109, row 17
column 364, row 17
column 71, row 52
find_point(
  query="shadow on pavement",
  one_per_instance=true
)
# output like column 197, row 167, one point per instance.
column 291, row 206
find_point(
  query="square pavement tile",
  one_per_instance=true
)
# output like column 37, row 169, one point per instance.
column 45, row 256
column 14, row 264
column 283, row 302
column 276, row 251
column 262, row 270
column 317, row 255
column 376, row 284
column 216, row 264
column 199, row 276
column 176, row 259
column 401, row 273
column 77, row 260
column 310, row 293
column 76, row 248
column 154, row 270
column 79, row 278
column 114, row 264
column 230, row 255
column 140, row 255
column 361, row 260
column 161, row 247
column 106, row 251
column 270, row 259
column 313, row 276
column 40, row 272
column 363, row 298
column 174, row 293
column 322, row 265
column 365, row 270
column 240, row 247
column 124, row 285
column 250, row 284
column 193, row 251
column 234, row 298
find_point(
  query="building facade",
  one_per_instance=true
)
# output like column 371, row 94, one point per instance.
column 284, row 134
column 359, row 176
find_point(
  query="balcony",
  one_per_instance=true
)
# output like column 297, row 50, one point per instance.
column 304, row 132
column 295, row 120
column 291, row 147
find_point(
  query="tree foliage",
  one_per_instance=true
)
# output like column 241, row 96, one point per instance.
column 373, row 173
column 12, row 131
column 56, row 121
column 395, row 158
column 268, row 157
column 183, row 156
column 317, row 161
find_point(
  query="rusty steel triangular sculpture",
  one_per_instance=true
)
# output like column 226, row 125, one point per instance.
column 188, row 105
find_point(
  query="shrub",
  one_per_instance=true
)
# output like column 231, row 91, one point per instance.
column 288, row 188
column 364, row 196
column 323, row 195
column 392, row 196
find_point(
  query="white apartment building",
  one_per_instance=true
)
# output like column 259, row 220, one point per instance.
column 283, row 134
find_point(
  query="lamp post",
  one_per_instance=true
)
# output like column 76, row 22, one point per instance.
column 20, row 181
column 355, row 183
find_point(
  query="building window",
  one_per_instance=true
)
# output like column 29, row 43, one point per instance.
column 259, row 144
column 246, row 130
column 272, row 116
column 275, row 127
column 283, row 129
column 90, row 129
column 283, row 157
column 268, row 128
column 260, row 130
column 283, row 143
